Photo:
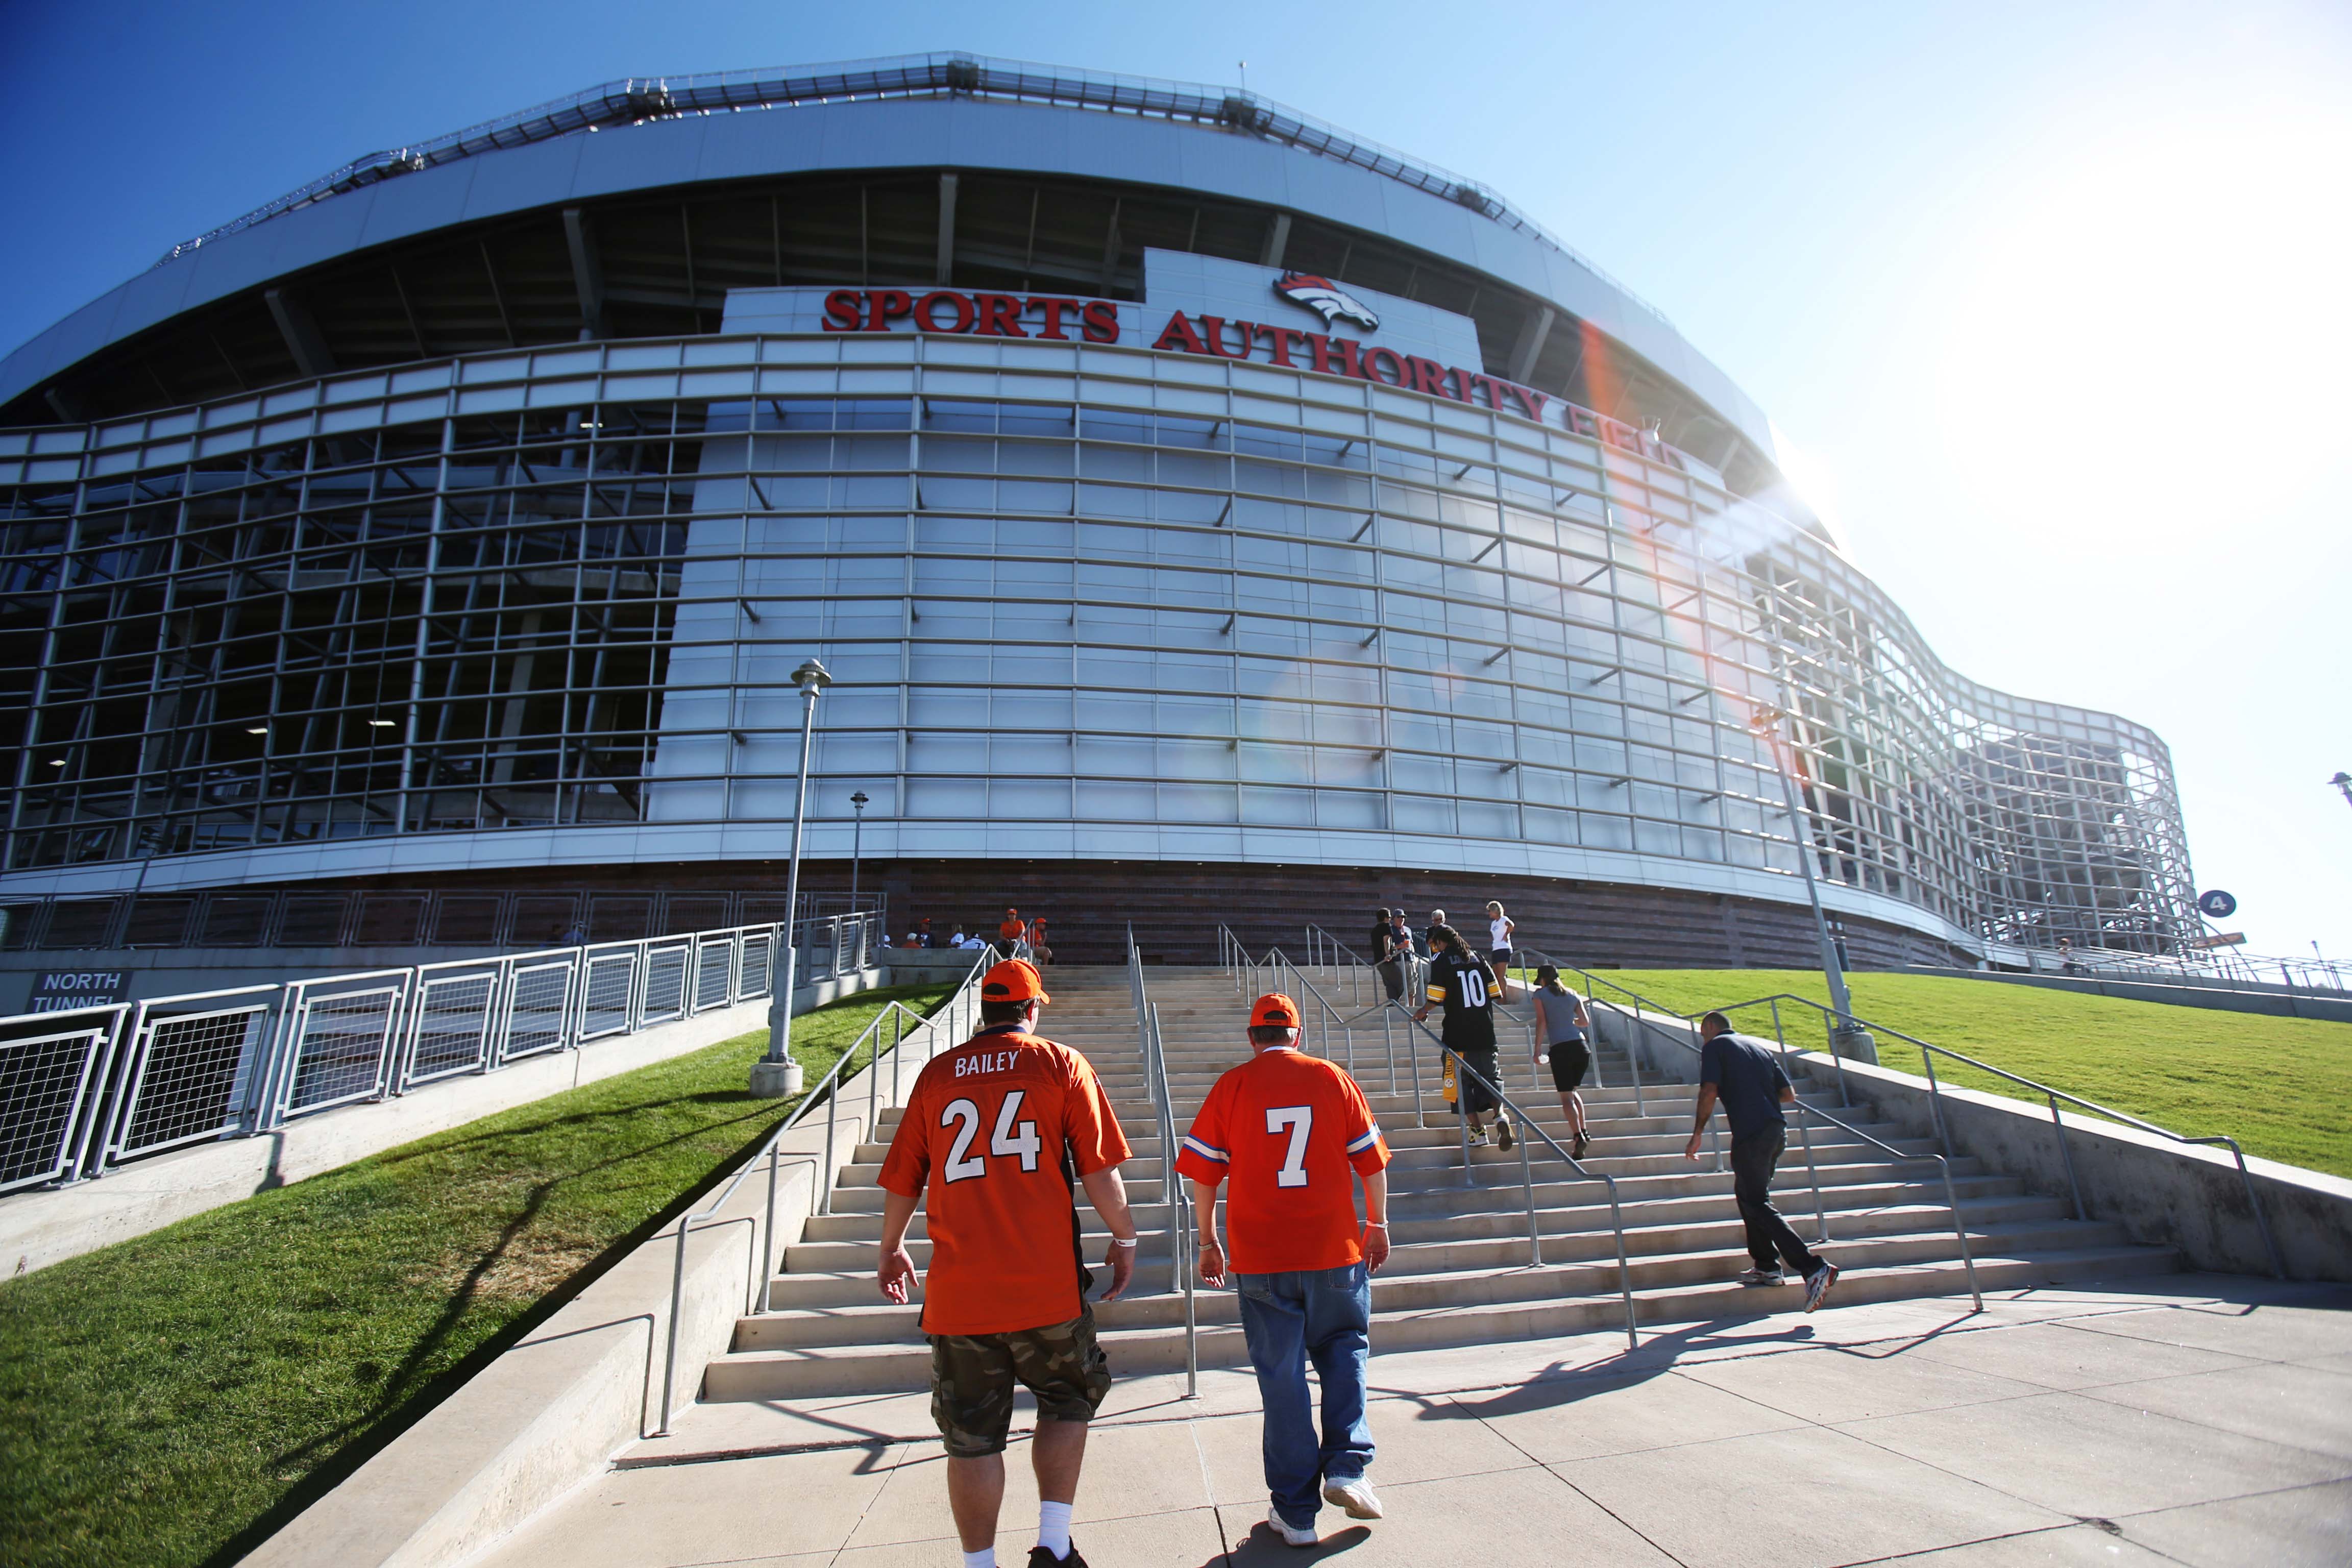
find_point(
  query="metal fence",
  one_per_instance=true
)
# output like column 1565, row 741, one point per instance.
column 83, row 1091
column 309, row 918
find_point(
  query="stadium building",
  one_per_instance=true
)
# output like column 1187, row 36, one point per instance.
column 1203, row 513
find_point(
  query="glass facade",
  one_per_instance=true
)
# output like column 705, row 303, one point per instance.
column 1157, row 604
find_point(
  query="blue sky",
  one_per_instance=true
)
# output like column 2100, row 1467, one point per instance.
column 2048, row 299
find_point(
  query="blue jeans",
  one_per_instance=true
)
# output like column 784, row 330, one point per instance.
column 1324, row 1315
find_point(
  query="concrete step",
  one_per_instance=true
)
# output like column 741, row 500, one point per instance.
column 901, row 1367
column 1676, row 1226
column 845, row 1242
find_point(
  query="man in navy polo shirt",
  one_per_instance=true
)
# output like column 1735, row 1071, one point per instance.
column 1744, row 1075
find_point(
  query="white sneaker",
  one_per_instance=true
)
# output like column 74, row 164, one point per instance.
column 1355, row 1496
column 1289, row 1532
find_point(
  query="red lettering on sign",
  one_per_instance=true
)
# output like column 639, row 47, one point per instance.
column 842, row 310
column 1580, row 420
column 1099, row 321
column 1429, row 376
column 1532, row 400
column 885, row 306
column 1179, row 334
column 1279, row 341
column 1318, row 348
column 999, row 316
column 1213, row 328
column 927, row 319
column 1396, row 375
column 1052, row 329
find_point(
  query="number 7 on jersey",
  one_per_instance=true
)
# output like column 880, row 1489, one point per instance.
column 1298, row 1120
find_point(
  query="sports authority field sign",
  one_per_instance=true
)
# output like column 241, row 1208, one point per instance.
column 1061, row 318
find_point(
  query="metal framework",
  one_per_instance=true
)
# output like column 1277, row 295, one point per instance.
column 562, row 592
column 83, row 1091
column 636, row 100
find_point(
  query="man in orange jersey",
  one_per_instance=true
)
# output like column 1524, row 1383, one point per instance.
column 1284, row 1131
column 992, row 1138
column 1010, row 930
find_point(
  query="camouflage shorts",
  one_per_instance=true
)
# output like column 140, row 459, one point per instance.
column 972, row 1381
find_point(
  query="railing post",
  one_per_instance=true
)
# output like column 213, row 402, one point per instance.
column 2065, row 1153
column 677, row 1300
column 824, row 1177
column 1967, row 1257
column 1805, row 1137
column 1624, row 1269
column 768, row 1236
column 1461, row 1117
column 2262, row 1221
column 1936, row 1102
column 1527, row 1186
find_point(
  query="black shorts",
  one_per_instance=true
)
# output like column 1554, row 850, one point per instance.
column 972, row 1375
column 1501, row 959
column 1570, row 1061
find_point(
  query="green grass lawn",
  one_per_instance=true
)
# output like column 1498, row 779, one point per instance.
column 172, row 1399
column 2282, row 1087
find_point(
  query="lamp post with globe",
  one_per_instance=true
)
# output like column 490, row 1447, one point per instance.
column 776, row 1075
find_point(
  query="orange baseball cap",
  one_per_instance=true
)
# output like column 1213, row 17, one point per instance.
column 1274, row 1010
column 1014, row 980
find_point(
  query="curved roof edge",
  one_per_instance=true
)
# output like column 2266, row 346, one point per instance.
column 948, row 111
column 634, row 100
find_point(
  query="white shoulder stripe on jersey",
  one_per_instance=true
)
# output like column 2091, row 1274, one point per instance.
column 1371, row 1136
column 1205, row 1152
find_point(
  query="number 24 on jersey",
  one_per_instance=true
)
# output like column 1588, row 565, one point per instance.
column 1010, row 1137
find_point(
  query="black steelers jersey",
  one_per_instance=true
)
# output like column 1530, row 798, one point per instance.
column 1466, row 987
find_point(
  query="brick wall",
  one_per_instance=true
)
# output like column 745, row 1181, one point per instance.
column 1175, row 907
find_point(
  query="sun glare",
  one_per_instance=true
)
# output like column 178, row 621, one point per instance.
column 2172, row 282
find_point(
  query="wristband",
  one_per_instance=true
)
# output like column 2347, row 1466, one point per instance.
column 1376, row 1224
column 1122, row 1241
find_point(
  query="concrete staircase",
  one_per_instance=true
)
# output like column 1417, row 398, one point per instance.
column 1460, row 1273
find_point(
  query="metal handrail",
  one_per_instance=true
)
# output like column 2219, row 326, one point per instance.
column 1528, row 1124
column 965, row 995
column 1177, row 1195
column 1323, row 948
column 1821, row 1215
column 1592, row 982
column 1281, row 965
column 1928, row 1051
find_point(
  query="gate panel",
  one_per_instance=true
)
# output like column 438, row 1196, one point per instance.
column 339, row 1047
column 188, row 1075
column 611, row 980
column 537, row 1005
column 453, row 1026
column 45, row 1085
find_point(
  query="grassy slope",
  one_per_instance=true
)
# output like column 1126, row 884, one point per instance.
column 2282, row 1087
column 166, row 1400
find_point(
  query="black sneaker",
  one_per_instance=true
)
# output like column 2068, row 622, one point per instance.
column 1583, row 1142
column 1503, row 1135
column 1041, row 1558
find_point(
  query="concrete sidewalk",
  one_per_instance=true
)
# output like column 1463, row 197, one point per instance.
column 2196, row 1419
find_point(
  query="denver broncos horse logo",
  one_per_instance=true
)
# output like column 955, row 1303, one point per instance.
column 1326, row 299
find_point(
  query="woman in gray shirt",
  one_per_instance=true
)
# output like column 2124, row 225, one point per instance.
column 1560, row 1024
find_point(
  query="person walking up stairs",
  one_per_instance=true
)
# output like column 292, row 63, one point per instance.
column 1006, row 1298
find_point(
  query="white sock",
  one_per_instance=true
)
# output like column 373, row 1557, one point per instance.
column 983, row 1558
column 1054, row 1528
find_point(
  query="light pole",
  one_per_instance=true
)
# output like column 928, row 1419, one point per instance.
column 856, row 847
column 1847, row 1038
column 776, row 1075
